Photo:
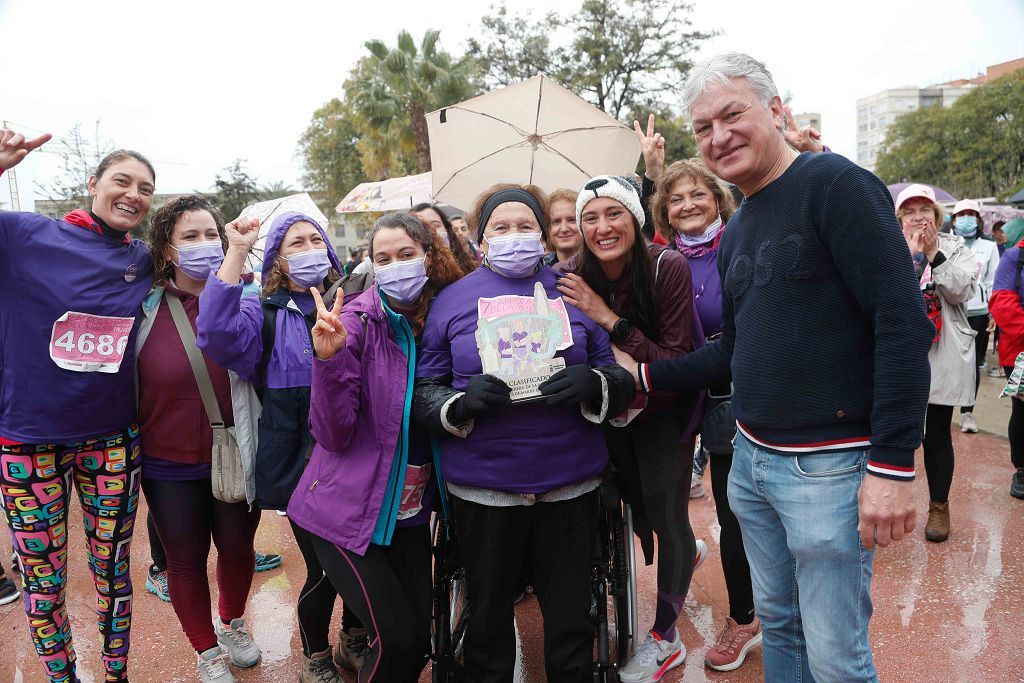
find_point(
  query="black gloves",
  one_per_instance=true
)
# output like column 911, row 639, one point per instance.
column 575, row 384
column 483, row 394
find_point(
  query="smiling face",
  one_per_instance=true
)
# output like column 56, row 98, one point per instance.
column 509, row 218
column 393, row 245
column 739, row 139
column 692, row 207
column 564, row 235
column 193, row 227
column 123, row 195
column 916, row 213
column 301, row 236
column 609, row 230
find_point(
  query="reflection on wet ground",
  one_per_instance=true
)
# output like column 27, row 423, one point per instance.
column 946, row 612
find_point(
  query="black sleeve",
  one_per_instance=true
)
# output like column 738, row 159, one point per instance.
column 621, row 388
column 646, row 192
column 705, row 367
column 428, row 398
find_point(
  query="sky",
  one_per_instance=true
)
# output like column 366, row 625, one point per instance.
column 194, row 85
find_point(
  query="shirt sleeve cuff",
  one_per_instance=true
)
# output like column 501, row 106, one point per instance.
column 891, row 463
column 643, row 372
column 462, row 431
column 598, row 417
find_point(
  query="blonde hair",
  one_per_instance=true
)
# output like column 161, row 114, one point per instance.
column 936, row 211
column 696, row 171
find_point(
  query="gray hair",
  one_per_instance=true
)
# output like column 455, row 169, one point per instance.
column 721, row 69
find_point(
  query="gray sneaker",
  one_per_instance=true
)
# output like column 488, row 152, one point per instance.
column 213, row 666
column 967, row 424
column 240, row 646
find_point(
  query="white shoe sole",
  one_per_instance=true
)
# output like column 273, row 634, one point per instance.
column 10, row 598
column 751, row 644
column 656, row 678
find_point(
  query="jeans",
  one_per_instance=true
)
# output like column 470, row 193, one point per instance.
column 811, row 575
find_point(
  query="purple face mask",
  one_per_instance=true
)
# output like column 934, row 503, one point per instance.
column 517, row 255
column 199, row 260
column 308, row 268
column 402, row 281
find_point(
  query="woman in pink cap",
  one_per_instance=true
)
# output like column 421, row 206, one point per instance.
column 967, row 223
column 948, row 275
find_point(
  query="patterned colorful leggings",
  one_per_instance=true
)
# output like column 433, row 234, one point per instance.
column 36, row 482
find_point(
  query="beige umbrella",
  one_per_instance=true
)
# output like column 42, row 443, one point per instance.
column 393, row 194
column 532, row 132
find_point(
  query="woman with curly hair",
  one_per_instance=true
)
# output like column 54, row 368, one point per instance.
column 372, row 483
column 187, row 244
column 268, row 342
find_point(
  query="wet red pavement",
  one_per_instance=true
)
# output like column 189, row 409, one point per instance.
column 946, row 612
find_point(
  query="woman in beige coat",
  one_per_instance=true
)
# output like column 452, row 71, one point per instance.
column 948, row 275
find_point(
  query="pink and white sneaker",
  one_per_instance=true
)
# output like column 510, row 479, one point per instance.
column 653, row 659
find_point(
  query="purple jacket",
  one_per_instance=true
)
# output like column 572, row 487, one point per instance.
column 230, row 324
column 356, row 411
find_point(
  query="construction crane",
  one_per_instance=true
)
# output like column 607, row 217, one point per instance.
column 12, row 180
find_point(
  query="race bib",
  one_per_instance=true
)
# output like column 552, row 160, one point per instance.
column 416, row 479
column 89, row 343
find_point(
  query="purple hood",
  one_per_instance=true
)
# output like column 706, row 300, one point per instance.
column 279, row 228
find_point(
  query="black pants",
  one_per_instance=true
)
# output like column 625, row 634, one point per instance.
column 978, row 323
column 390, row 590
column 655, row 471
column 156, row 548
column 559, row 541
column 1015, row 430
column 316, row 599
column 938, row 451
column 734, row 556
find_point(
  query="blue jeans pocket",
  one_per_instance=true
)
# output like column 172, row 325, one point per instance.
column 822, row 465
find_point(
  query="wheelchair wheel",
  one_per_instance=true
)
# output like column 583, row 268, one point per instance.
column 451, row 609
column 623, row 586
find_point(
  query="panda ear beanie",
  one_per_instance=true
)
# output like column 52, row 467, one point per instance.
column 619, row 188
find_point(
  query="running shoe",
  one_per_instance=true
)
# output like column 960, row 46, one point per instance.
column 213, row 666
column 733, row 645
column 1017, row 483
column 653, row 659
column 8, row 591
column 996, row 372
column 157, row 585
column 967, row 424
column 352, row 648
column 701, row 555
column 241, row 648
column 267, row 561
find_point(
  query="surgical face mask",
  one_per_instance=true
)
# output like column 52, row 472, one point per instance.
column 199, row 260
column 966, row 226
column 402, row 281
column 308, row 268
column 515, row 255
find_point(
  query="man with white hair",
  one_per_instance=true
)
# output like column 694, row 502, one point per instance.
column 815, row 274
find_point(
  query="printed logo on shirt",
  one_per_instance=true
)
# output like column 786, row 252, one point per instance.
column 131, row 272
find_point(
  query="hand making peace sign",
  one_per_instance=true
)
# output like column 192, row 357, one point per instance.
column 806, row 139
column 653, row 147
column 329, row 334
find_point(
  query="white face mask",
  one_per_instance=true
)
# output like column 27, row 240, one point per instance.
column 515, row 255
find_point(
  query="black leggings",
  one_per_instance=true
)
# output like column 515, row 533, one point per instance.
column 656, row 471
column 1015, row 430
column 978, row 323
column 938, row 451
column 156, row 548
column 316, row 599
column 734, row 556
column 389, row 589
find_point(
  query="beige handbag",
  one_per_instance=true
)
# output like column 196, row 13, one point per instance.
column 226, row 464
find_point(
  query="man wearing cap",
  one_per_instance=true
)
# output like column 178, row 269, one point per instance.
column 815, row 274
column 967, row 223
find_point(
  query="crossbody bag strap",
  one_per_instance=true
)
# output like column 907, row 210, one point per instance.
column 195, row 358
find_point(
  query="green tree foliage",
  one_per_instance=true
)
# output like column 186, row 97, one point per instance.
column 329, row 153
column 407, row 81
column 235, row 189
column 974, row 148
column 619, row 53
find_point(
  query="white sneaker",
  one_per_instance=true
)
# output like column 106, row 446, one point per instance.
column 701, row 555
column 213, row 666
column 967, row 424
column 654, row 658
column 240, row 646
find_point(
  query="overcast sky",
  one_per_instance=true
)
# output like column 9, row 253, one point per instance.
column 195, row 84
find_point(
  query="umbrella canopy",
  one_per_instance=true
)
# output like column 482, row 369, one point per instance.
column 1016, row 198
column 940, row 194
column 531, row 132
column 269, row 210
column 393, row 194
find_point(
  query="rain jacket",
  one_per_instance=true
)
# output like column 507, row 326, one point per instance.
column 1005, row 305
column 230, row 333
column 986, row 256
column 360, row 415
column 952, row 356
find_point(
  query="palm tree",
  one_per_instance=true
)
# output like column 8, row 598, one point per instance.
column 405, row 82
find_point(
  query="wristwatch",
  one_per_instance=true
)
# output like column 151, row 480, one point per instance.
column 621, row 330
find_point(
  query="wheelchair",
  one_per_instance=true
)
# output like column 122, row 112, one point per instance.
column 613, row 607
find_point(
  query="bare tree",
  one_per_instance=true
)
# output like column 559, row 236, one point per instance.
column 80, row 156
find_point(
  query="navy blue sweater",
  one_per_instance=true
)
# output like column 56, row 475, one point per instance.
column 824, row 326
